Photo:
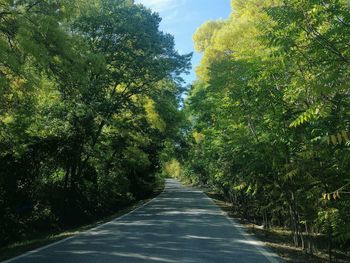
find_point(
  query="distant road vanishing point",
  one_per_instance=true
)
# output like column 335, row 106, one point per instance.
column 180, row 225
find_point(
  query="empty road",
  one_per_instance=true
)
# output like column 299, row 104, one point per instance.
column 180, row 225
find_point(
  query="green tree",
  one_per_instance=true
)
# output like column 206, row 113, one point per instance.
column 271, row 91
column 88, row 89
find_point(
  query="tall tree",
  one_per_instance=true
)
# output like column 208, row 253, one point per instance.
column 84, row 86
column 271, row 91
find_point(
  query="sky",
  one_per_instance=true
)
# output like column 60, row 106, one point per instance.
column 181, row 18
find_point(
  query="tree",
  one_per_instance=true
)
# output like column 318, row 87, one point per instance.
column 271, row 91
column 84, row 89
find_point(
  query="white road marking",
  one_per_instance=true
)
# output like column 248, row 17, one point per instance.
column 78, row 234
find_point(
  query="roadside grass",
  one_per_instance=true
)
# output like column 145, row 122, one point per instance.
column 278, row 240
column 20, row 247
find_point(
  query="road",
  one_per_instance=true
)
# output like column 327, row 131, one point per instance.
column 181, row 225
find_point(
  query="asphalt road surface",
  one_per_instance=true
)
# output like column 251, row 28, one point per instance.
column 180, row 225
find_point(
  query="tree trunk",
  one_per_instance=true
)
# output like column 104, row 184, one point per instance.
column 294, row 227
column 329, row 246
column 66, row 177
column 310, row 241
column 300, row 231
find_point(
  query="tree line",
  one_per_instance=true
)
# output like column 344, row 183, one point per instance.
column 268, row 117
column 89, row 95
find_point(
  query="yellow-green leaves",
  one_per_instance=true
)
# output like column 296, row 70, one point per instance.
column 205, row 35
column 308, row 115
column 198, row 137
column 173, row 168
column 331, row 196
column 136, row 157
column 7, row 119
column 153, row 117
column 339, row 138
column 234, row 39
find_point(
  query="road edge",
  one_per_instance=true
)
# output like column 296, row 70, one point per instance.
column 33, row 251
column 270, row 255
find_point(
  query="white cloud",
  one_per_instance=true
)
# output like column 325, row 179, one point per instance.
column 161, row 5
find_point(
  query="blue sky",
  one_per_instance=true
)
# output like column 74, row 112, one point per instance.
column 181, row 18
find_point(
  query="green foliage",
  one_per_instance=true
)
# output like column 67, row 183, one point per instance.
column 173, row 169
column 89, row 93
column 272, row 89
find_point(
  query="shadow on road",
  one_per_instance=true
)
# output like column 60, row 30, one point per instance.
column 181, row 225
